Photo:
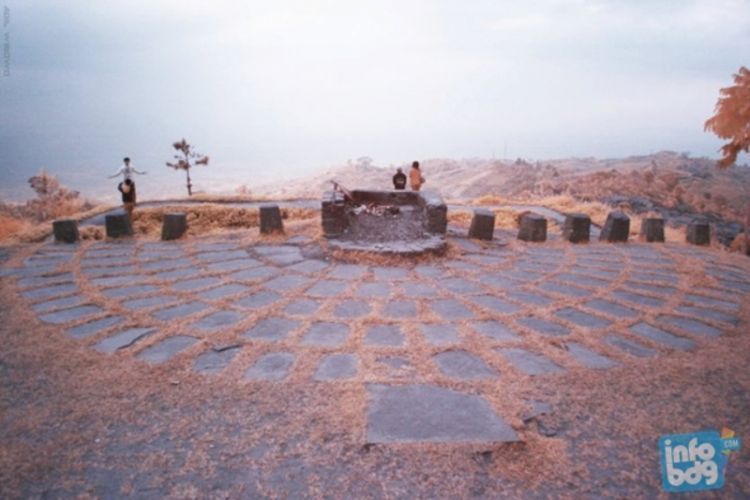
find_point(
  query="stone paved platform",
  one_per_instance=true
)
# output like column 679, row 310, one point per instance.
column 418, row 337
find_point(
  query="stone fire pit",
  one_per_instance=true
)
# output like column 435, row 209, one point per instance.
column 388, row 222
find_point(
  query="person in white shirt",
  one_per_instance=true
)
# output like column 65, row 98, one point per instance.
column 126, row 171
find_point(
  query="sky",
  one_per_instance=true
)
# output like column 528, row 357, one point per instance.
column 280, row 89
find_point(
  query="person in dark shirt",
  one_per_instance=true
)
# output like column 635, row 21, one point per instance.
column 127, row 188
column 399, row 180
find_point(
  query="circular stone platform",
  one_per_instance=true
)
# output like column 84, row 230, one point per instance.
column 427, row 340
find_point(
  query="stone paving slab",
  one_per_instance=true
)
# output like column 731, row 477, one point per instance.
column 690, row 326
column 611, row 308
column 122, row 339
column 704, row 300
column 93, row 327
column 543, row 326
column 589, row 358
column 176, row 274
column 390, row 273
column 195, row 284
column 709, row 314
column 226, row 255
column 272, row 329
column 660, row 336
column 326, row 334
column 258, row 300
column 48, row 292
column 564, row 289
column 149, row 302
column 638, row 299
column 532, row 298
column 129, row 291
column 582, row 319
column 310, row 267
column 233, row 265
column 166, row 349
column 352, row 309
column 418, row 290
column 272, row 366
column 254, row 275
column 528, row 362
column 217, row 320
column 180, row 311
column 440, row 333
column 373, row 290
column 214, row 361
column 463, row 365
column 400, row 309
column 348, row 271
column 424, row 413
column 287, row 283
column 451, row 309
column 166, row 265
column 494, row 304
column 224, row 291
column 384, row 335
column 303, row 307
column 327, row 288
column 61, row 303
column 37, row 281
column 73, row 314
column 495, row 330
column 630, row 346
column 336, row 367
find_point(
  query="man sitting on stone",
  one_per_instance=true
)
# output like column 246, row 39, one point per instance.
column 399, row 180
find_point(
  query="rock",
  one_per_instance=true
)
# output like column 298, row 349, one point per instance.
column 533, row 228
column 699, row 232
column 174, row 226
column 65, row 230
column 652, row 229
column 616, row 228
column 482, row 224
column 118, row 225
column 270, row 219
column 577, row 228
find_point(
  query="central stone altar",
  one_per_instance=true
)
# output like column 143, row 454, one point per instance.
column 387, row 222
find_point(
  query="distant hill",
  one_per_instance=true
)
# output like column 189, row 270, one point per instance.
column 666, row 179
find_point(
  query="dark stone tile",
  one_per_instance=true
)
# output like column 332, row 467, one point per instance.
column 119, row 281
column 129, row 291
column 690, row 326
column 423, row 413
column 400, row 309
column 543, row 327
column 394, row 362
column 166, row 349
column 347, row 271
column 611, row 308
column 630, row 346
column 225, row 255
column 589, row 358
column 214, row 361
column 48, row 292
column 217, row 320
column 312, row 266
column 384, row 335
column 272, row 329
column 149, row 302
column 495, row 330
column 73, row 314
column 216, row 246
column 463, row 365
column 638, row 299
column 352, row 309
column 529, row 298
column 233, row 265
column 176, row 274
column 460, row 286
column 53, row 279
column 373, row 290
column 224, row 291
column 302, row 307
column 285, row 284
column 93, row 327
column 439, row 333
column 429, row 271
column 180, row 311
column 167, row 264
column 583, row 280
column 710, row 314
column 563, row 289
column 529, row 362
column 272, row 366
column 195, row 284
column 326, row 334
column 649, row 287
column 450, row 309
column 494, row 304
column 123, row 339
column 327, row 288
column 581, row 318
column 258, row 300
column 65, row 302
column 704, row 300
column 254, row 275
column 418, row 290
column 390, row 273
column 660, row 336
column 337, row 367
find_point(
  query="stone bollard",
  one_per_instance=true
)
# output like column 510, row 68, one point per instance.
column 577, row 228
column 699, row 232
column 333, row 214
column 533, row 228
column 270, row 219
column 174, row 226
column 65, row 230
column 482, row 224
column 118, row 225
column 616, row 228
column 652, row 229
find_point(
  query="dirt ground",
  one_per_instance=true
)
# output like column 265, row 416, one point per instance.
column 74, row 422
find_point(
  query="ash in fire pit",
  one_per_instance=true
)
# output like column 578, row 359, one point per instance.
column 396, row 222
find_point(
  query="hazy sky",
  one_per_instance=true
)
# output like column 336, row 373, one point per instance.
column 287, row 87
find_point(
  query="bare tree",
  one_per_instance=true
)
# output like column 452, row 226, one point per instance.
column 186, row 159
column 731, row 121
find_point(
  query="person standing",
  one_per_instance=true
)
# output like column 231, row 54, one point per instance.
column 127, row 188
column 399, row 179
column 415, row 177
column 127, row 171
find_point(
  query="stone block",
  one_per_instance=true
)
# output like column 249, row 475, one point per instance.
column 65, row 230
column 270, row 219
column 118, row 225
column 652, row 229
column 577, row 228
column 533, row 228
column 616, row 228
column 699, row 232
column 482, row 224
column 174, row 226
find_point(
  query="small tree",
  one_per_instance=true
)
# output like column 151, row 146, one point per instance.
column 53, row 199
column 731, row 121
column 186, row 159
